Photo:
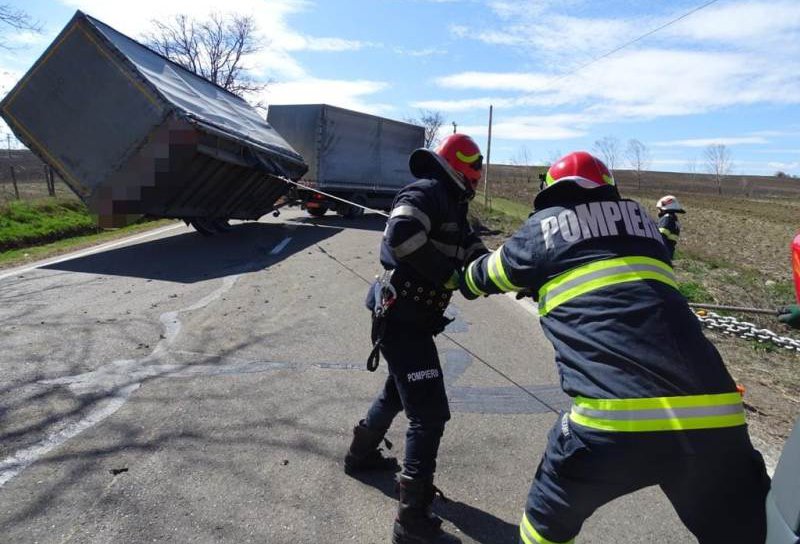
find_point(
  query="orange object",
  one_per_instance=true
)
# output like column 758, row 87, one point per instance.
column 796, row 265
column 741, row 389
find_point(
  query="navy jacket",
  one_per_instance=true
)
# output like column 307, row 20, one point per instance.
column 608, row 300
column 428, row 236
column 670, row 229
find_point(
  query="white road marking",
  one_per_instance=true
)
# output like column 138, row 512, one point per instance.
column 18, row 462
column 281, row 246
column 116, row 380
column 96, row 249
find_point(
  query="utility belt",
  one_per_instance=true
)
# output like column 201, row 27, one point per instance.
column 396, row 296
column 423, row 295
column 659, row 413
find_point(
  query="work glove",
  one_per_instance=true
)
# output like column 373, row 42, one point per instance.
column 454, row 280
column 790, row 315
column 462, row 287
column 525, row 293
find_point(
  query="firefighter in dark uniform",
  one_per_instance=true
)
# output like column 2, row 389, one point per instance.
column 668, row 224
column 653, row 403
column 427, row 242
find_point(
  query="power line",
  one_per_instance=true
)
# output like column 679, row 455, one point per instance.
column 633, row 41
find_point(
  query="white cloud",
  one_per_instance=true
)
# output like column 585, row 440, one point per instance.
column 427, row 52
column 667, row 78
column 643, row 84
column 344, row 93
column 328, row 44
column 271, row 17
column 779, row 150
column 274, row 62
column 535, row 127
column 752, row 22
column 23, row 39
column 495, row 81
column 463, row 105
column 705, row 142
column 785, row 166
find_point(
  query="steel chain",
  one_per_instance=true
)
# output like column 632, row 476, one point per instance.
column 743, row 329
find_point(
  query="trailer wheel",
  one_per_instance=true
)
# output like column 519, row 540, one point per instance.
column 203, row 226
column 317, row 212
column 351, row 212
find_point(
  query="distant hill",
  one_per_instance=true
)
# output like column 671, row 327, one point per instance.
column 668, row 182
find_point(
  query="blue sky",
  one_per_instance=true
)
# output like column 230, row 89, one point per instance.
column 729, row 73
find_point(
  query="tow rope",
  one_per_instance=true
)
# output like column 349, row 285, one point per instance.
column 340, row 199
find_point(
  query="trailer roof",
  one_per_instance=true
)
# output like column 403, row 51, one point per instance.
column 197, row 97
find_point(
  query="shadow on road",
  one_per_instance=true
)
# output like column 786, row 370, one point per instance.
column 189, row 258
column 368, row 221
column 476, row 524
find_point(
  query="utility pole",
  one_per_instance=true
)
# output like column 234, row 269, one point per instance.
column 11, row 166
column 486, row 201
column 454, row 127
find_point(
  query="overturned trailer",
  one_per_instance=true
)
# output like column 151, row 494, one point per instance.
column 134, row 134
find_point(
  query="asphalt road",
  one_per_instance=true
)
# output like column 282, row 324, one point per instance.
column 176, row 388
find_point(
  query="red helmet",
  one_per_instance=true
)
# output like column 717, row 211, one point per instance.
column 463, row 155
column 458, row 154
column 581, row 167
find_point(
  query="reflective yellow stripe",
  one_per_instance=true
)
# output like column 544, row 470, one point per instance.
column 530, row 535
column 595, row 275
column 669, row 234
column 497, row 273
column 471, row 280
column 684, row 401
column 469, row 159
column 660, row 413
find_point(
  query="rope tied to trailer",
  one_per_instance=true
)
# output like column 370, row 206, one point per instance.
column 340, row 199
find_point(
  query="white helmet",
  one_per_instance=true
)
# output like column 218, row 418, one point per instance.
column 669, row 204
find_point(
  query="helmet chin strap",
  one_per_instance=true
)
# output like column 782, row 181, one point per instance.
column 464, row 184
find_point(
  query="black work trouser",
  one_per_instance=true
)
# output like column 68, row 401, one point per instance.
column 415, row 384
column 714, row 478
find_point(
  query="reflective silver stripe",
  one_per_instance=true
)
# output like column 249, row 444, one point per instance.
column 411, row 245
column 604, row 273
column 405, row 210
column 658, row 413
column 449, row 250
column 449, row 227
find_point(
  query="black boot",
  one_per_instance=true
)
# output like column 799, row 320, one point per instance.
column 364, row 453
column 415, row 523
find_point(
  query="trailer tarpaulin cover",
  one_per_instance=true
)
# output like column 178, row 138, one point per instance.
column 201, row 99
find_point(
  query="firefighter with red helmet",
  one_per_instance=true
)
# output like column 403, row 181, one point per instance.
column 427, row 242
column 652, row 401
column 668, row 224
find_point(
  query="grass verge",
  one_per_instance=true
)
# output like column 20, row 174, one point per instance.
column 34, row 230
column 28, row 223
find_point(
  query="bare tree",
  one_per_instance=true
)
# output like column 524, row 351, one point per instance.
column 638, row 156
column 718, row 162
column 17, row 20
column 691, row 167
column 214, row 48
column 552, row 156
column 432, row 121
column 523, row 159
column 608, row 147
